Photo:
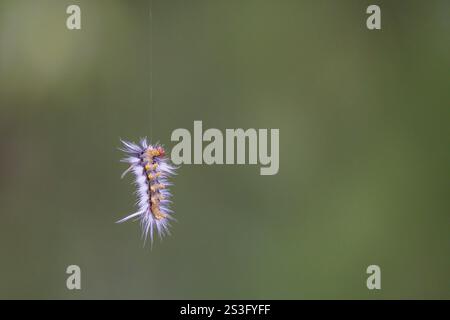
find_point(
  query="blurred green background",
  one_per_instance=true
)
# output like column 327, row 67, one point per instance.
column 364, row 148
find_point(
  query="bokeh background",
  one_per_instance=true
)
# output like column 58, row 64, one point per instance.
column 364, row 148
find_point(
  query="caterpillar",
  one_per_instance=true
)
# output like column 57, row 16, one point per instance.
column 151, row 169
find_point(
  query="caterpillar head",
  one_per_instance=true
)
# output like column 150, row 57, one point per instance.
column 156, row 152
column 161, row 151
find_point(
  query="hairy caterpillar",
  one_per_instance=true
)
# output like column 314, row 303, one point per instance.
column 151, row 169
